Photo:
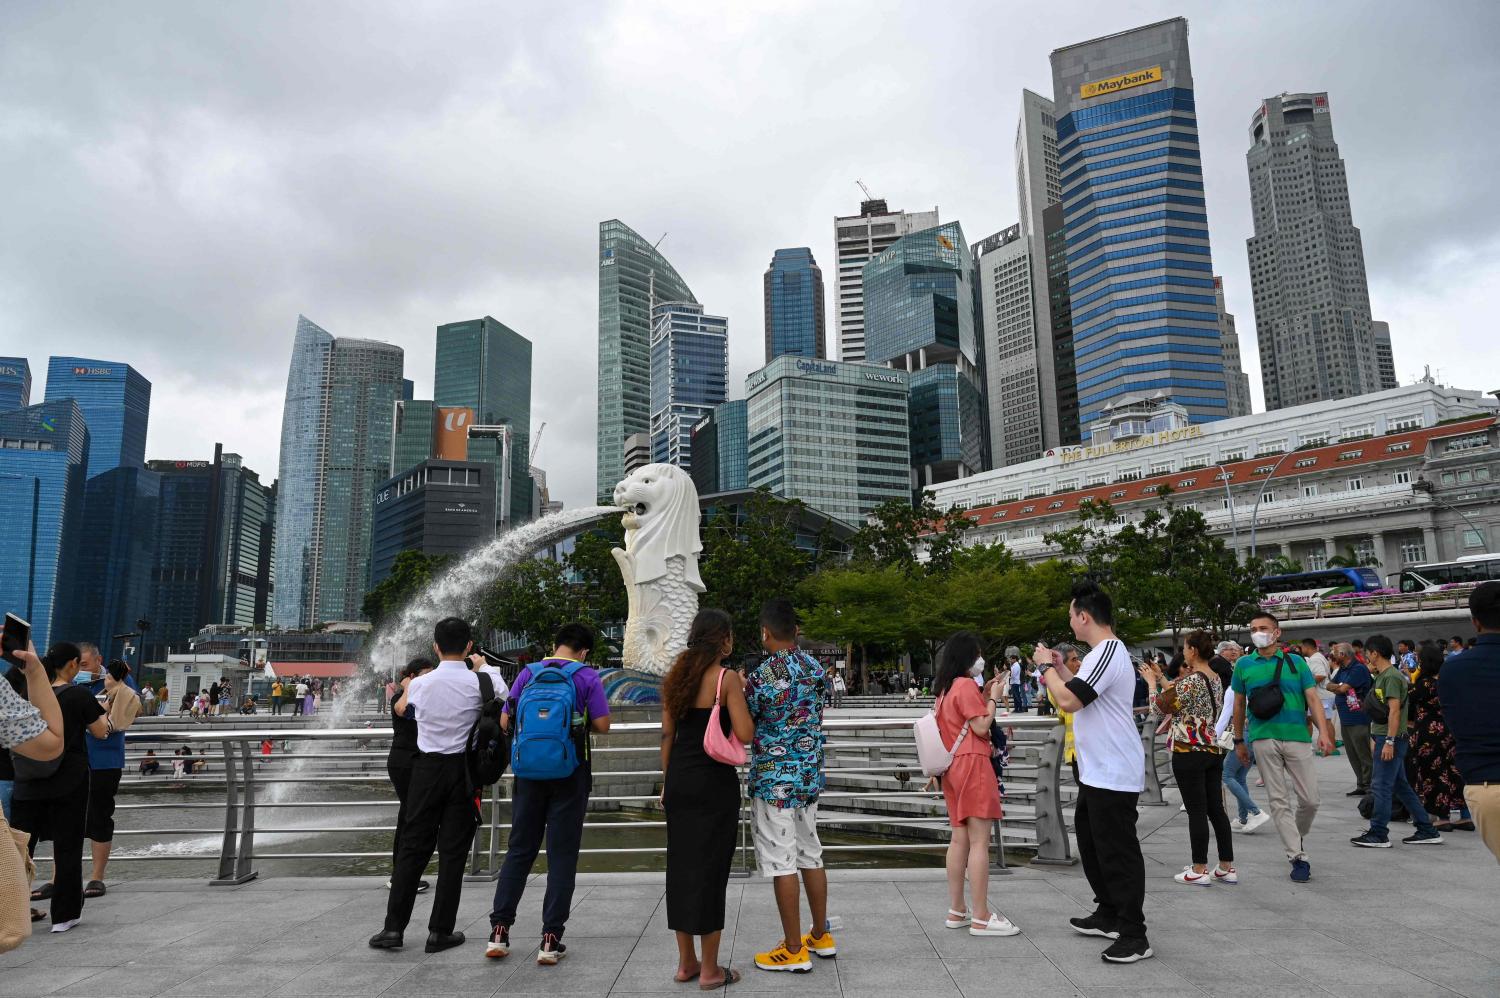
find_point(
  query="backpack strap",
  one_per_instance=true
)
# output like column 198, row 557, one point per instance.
column 486, row 687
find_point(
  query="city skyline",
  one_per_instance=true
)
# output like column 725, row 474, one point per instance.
column 387, row 267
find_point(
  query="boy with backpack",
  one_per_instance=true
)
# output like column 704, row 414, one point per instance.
column 551, row 709
column 447, row 704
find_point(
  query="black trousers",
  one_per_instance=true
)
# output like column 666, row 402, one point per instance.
column 399, row 770
column 60, row 819
column 1200, row 779
column 1104, row 821
column 440, row 815
column 99, row 823
column 555, row 808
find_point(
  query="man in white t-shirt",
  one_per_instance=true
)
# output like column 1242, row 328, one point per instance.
column 1321, row 671
column 1111, row 773
column 1017, row 691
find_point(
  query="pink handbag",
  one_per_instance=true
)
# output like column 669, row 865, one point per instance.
column 719, row 746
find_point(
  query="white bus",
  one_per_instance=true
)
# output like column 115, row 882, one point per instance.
column 1474, row 568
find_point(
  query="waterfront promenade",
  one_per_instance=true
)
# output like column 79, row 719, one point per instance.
column 1404, row 921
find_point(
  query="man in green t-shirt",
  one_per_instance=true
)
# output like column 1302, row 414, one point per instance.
column 1386, row 705
column 1283, row 741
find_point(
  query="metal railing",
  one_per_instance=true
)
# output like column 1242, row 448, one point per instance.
column 869, row 796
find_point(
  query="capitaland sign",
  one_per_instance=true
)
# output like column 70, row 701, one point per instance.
column 1113, row 85
column 1071, row 454
column 814, row 367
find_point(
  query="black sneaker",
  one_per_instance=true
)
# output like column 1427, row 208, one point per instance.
column 551, row 951
column 1095, row 925
column 1433, row 838
column 498, row 946
column 1127, row 951
column 1356, row 792
column 1371, row 841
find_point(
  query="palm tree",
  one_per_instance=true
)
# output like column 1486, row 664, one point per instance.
column 1351, row 558
column 1283, row 565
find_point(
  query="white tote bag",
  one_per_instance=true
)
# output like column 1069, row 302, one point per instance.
column 932, row 755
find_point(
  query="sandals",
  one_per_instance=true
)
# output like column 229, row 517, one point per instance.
column 731, row 976
column 95, row 889
column 42, row 893
column 37, row 914
column 683, row 980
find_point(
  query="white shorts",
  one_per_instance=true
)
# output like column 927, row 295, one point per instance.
column 786, row 838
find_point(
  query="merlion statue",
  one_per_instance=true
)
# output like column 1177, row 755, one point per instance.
column 659, row 564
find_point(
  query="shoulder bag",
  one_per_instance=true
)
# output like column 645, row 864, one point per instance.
column 721, row 747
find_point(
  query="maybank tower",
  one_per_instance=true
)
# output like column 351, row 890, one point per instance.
column 1140, row 276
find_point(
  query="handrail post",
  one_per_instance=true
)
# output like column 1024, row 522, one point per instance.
column 482, row 859
column 1052, row 845
column 245, row 862
column 1152, row 794
column 229, row 851
column 744, row 850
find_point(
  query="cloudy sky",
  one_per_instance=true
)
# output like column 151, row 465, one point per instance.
column 182, row 179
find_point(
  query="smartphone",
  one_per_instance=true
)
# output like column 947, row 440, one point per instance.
column 490, row 658
column 14, row 638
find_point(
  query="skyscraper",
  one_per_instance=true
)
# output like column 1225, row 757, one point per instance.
column 1307, row 264
column 1140, row 277
column 1235, row 379
column 719, row 450
column 335, row 448
column 485, row 366
column 116, row 403
column 411, row 434
column 633, row 278
column 44, row 453
column 1384, row 357
column 1011, row 351
column 689, row 376
column 439, row 507
column 1060, row 319
column 110, row 580
column 15, row 383
column 857, row 239
column 794, row 305
column 1038, row 187
column 920, row 318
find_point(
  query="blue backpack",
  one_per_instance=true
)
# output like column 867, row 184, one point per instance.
column 544, row 748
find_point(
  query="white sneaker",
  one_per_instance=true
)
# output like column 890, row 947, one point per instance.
column 1256, row 820
column 963, row 921
column 1182, row 807
column 996, row 926
column 1236, row 824
column 65, row 926
column 1223, row 876
column 1193, row 879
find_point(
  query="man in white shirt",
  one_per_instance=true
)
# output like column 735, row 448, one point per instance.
column 479, row 663
column 1111, row 773
column 1017, row 692
column 1321, row 671
column 440, row 808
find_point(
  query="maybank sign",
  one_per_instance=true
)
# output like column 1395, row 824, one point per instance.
column 1114, row 84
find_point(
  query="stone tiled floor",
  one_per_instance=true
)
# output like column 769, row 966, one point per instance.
column 1403, row 922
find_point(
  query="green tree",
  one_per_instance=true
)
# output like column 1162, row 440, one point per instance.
column 860, row 606
column 1282, row 565
column 410, row 573
column 532, row 599
column 896, row 531
column 596, row 575
column 1350, row 558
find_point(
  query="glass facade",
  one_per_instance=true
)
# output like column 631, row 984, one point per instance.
column 834, row 435
column 794, row 305
column 438, row 508
column 110, row 583
column 15, row 383
column 1136, row 230
column 920, row 312
column 116, row 403
column 1060, row 313
column 485, row 365
column 44, row 453
column 411, row 434
column 633, row 278
column 689, row 376
column 719, row 450
column 335, row 448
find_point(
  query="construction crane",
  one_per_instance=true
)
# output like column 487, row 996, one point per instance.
column 535, row 443
column 868, row 195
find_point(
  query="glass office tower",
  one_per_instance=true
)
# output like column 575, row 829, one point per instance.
column 44, row 453
column 689, row 376
column 834, row 435
column 1140, row 274
column 633, row 278
column 793, row 286
column 719, row 450
column 15, row 383
column 920, row 318
column 116, row 403
column 335, row 448
column 484, row 365
column 110, row 576
column 411, row 434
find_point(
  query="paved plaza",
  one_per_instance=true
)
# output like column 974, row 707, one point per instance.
column 1404, row 921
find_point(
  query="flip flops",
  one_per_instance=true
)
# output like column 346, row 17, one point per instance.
column 94, row 889
column 42, row 893
column 730, row 977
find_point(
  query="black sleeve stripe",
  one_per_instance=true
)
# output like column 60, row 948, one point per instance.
column 1085, row 693
column 1107, row 655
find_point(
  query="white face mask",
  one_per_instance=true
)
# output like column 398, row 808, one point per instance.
column 977, row 669
column 1262, row 639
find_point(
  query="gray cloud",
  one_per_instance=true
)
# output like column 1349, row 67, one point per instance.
column 183, row 179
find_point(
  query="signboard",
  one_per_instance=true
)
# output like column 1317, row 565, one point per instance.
column 815, row 367
column 450, row 432
column 91, row 372
column 1072, row 454
column 1113, row 85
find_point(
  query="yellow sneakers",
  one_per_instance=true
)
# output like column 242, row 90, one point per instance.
column 822, row 945
column 782, row 958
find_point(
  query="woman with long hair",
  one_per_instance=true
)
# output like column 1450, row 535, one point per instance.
column 403, row 753
column 700, row 794
column 1192, row 704
column 53, row 805
column 1434, row 750
column 964, row 716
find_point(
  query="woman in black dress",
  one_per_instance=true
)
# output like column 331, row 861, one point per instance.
column 1433, row 750
column 701, row 795
column 403, row 753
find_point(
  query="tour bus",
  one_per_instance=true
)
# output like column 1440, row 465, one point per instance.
column 1318, row 584
column 1473, row 568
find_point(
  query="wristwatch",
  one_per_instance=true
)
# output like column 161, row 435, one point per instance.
column 1239, row 741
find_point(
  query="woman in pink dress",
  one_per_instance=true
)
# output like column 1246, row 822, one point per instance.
column 964, row 716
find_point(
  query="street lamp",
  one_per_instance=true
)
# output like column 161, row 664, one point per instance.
column 1255, row 513
column 1427, row 488
column 1234, row 527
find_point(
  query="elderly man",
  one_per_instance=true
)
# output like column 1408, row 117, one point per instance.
column 1349, row 684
